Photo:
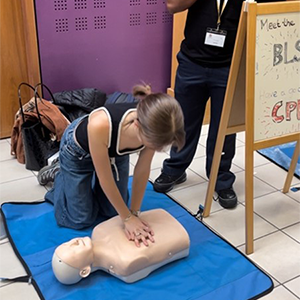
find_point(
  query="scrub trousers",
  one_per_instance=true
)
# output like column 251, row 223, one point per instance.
column 194, row 85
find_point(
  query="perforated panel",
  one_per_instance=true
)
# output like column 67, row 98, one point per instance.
column 135, row 19
column 80, row 4
column 151, row 18
column 61, row 25
column 151, row 2
column 60, row 5
column 111, row 45
column 167, row 17
column 134, row 2
column 100, row 22
column 99, row 3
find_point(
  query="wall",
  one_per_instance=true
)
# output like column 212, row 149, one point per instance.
column 107, row 44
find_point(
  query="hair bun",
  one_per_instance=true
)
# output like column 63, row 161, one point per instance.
column 141, row 90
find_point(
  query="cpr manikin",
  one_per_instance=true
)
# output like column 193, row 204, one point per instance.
column 110, row 250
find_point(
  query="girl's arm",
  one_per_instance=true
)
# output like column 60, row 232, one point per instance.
column 175, row 6
column 140, row 177
column 98, row 132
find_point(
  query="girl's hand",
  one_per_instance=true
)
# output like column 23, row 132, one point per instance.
column 138, row 230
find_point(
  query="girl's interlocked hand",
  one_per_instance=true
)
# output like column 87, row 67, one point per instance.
column 138, row 230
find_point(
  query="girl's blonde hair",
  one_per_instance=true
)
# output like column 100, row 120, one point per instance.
column 161, row 119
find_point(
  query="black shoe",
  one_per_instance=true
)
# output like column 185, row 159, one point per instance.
column 227, row 198
column 165, row 183
column 47, row 173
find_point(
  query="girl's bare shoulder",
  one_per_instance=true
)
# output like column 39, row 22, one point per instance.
column 99, row 125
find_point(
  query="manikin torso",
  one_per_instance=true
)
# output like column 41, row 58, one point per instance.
column 110, row 250
column 113, row 251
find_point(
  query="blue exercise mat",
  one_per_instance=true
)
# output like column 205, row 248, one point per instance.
column 214, row 269
column 282, row 155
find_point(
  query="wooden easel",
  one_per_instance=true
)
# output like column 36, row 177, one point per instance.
column 239, row 105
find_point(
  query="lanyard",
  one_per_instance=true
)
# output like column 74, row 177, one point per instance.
column 220, row 11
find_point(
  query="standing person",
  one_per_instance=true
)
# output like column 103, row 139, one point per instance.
column 204, row 61
column 94, row 161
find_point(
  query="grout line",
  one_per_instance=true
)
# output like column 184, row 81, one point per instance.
column 278, row 229
column 17, row 179
column 290, row 290
column 205, row 179
column 6, row 284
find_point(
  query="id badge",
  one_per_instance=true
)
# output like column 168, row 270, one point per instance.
column 215, row 37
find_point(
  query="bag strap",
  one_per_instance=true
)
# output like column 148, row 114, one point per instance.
column 36, row 105
column 36, row 94
column 20, row 98
column 49, row 91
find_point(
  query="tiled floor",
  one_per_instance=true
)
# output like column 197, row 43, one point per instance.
column 277, row 216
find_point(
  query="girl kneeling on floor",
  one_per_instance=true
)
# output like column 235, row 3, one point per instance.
column 94, row 161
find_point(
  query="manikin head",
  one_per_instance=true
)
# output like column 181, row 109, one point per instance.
column 73, row 260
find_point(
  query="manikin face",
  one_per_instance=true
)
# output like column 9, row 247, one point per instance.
column 77, row 253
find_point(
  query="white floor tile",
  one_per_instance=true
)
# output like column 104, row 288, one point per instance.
column 294, row 194
column 158, row 159
column 192, row 197
column 18, row 190
column 18, row 291
column 273, row 175
column 239, row 143
column 278, row 209
column 294, row 286
column 239, row 158
column 204, row 129
column 5, row 151
column 293, row 231
column 10, row 267
column 260, row 188
column 133, row 158
column 201, row 151
column 202, row 140
column 131, row 169
column 231, row 225
column 275, row 282
column 278, row 255
column 280, row 293
column 241, row 136
column 198, row 166
column 12, row 170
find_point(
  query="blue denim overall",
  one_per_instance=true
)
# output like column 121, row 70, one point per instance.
column 77, row 195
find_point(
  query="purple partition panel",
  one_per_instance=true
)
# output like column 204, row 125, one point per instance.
column 106, row 44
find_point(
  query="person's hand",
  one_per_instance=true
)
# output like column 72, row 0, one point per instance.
column 138, row 230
